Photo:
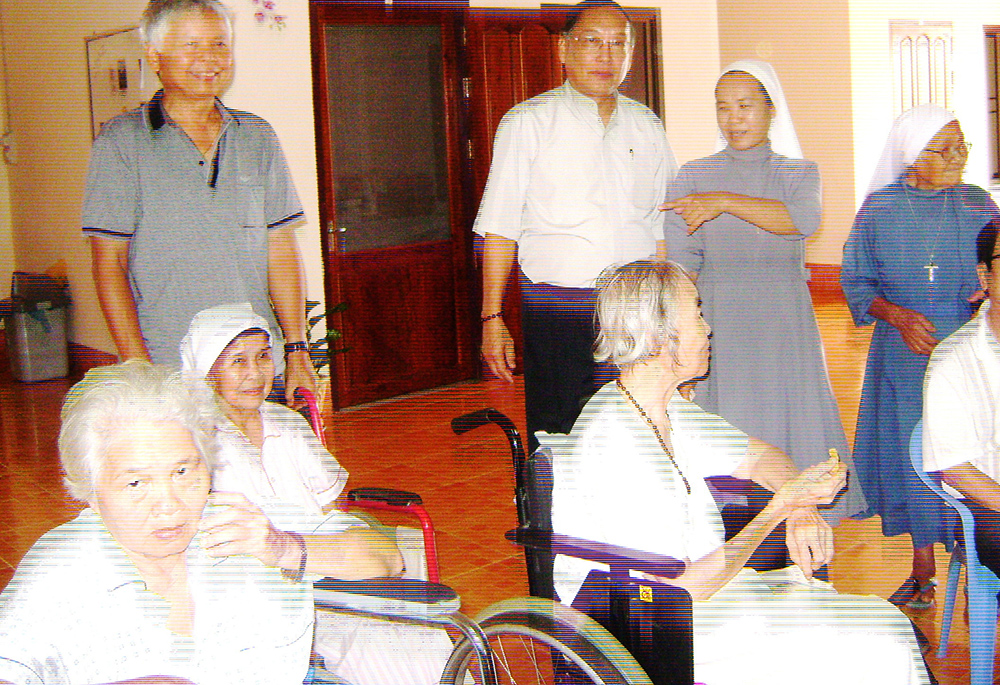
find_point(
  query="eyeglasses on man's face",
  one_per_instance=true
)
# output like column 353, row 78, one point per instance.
column 594, row 44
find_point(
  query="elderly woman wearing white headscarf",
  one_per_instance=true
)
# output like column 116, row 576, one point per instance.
column 739, row 221
column 270, row 456
column 269, row 452
column 910, row 267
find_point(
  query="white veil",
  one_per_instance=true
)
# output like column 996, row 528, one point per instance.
column 782, row 134
column 910, row 134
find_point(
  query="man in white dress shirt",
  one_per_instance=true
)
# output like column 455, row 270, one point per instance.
column 962, row 407
column 576, row 178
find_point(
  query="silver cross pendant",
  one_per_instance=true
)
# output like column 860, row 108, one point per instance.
column 931, row 268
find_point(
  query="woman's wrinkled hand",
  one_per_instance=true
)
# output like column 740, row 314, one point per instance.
column 915, row 329
column 242, row 528
column 809, row 539
column 697, row 208
column 818, row 484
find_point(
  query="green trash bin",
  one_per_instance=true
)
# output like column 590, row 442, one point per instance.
column 35, row 322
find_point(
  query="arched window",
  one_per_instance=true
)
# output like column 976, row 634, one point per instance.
column 922, row 64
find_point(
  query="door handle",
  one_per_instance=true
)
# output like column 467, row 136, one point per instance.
column 338, row 234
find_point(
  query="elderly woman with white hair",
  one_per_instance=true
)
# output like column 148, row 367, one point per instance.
column 632, row 473
column 143, row 586
column 739, row 221
column 910, row 268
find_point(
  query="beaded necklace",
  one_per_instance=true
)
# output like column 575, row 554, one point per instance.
column 656, row 432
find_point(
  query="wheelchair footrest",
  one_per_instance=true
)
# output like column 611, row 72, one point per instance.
column 400, row 597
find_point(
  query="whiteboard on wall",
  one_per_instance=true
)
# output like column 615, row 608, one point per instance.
column 118, row 76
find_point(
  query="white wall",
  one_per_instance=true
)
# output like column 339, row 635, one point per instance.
column 871, row 71
column 46, row 84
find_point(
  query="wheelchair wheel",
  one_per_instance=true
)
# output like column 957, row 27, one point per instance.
column 539, row 641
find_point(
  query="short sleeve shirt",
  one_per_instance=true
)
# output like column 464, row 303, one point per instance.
column 76, row 611
column 613, row 483
column 197, row 227
column 577, row 196
column 962, row 400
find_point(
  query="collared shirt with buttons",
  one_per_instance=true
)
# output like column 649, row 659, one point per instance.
column 197, row 227
column 576, row 195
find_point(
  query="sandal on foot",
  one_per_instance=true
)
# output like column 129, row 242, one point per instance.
column 909, row 594
column 919, row 601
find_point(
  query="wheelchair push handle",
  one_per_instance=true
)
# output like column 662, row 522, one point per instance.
column 467, row 422
column 312, row 408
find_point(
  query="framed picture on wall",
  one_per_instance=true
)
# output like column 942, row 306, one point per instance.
column 116, row 67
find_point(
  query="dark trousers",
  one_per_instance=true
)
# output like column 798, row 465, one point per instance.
column 987, row 535
column 560, row 374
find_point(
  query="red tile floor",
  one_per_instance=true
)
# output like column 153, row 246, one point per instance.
column 466, row 482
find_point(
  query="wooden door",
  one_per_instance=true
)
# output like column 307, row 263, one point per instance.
column 397, row 248
column 512, row 55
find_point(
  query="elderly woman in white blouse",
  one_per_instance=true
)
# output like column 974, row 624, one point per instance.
column 632, row 473
column 270, row 456
column 147, row 584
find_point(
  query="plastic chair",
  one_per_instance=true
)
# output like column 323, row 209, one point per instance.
column 380, row 499
column 984, row 585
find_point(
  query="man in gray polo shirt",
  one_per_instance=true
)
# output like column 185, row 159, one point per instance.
column 190, row 204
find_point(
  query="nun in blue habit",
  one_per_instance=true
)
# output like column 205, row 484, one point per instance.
column 910, row 268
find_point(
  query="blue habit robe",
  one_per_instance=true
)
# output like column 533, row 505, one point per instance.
column 900, row 232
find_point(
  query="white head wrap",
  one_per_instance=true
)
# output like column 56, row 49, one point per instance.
column 910, row 133
column 211, row 330
column 782, row 134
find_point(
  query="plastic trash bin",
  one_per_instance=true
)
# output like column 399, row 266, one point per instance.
column 35, row 321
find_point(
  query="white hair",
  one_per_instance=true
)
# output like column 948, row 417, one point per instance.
column 160, row 14
column 110, row 398
column 637, row 310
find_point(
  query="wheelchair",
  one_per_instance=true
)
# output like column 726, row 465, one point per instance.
column 527, row 639
column 651, row 621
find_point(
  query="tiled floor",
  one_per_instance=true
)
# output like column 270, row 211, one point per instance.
column 466, row 482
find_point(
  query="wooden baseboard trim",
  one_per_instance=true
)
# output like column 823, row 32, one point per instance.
column 82, row 358
column 824, row 283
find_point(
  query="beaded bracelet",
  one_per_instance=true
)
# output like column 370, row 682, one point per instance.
column 491, row 316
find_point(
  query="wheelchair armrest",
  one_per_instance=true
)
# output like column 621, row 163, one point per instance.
column 399, row 597
column 620, row 559
column 396, row 498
